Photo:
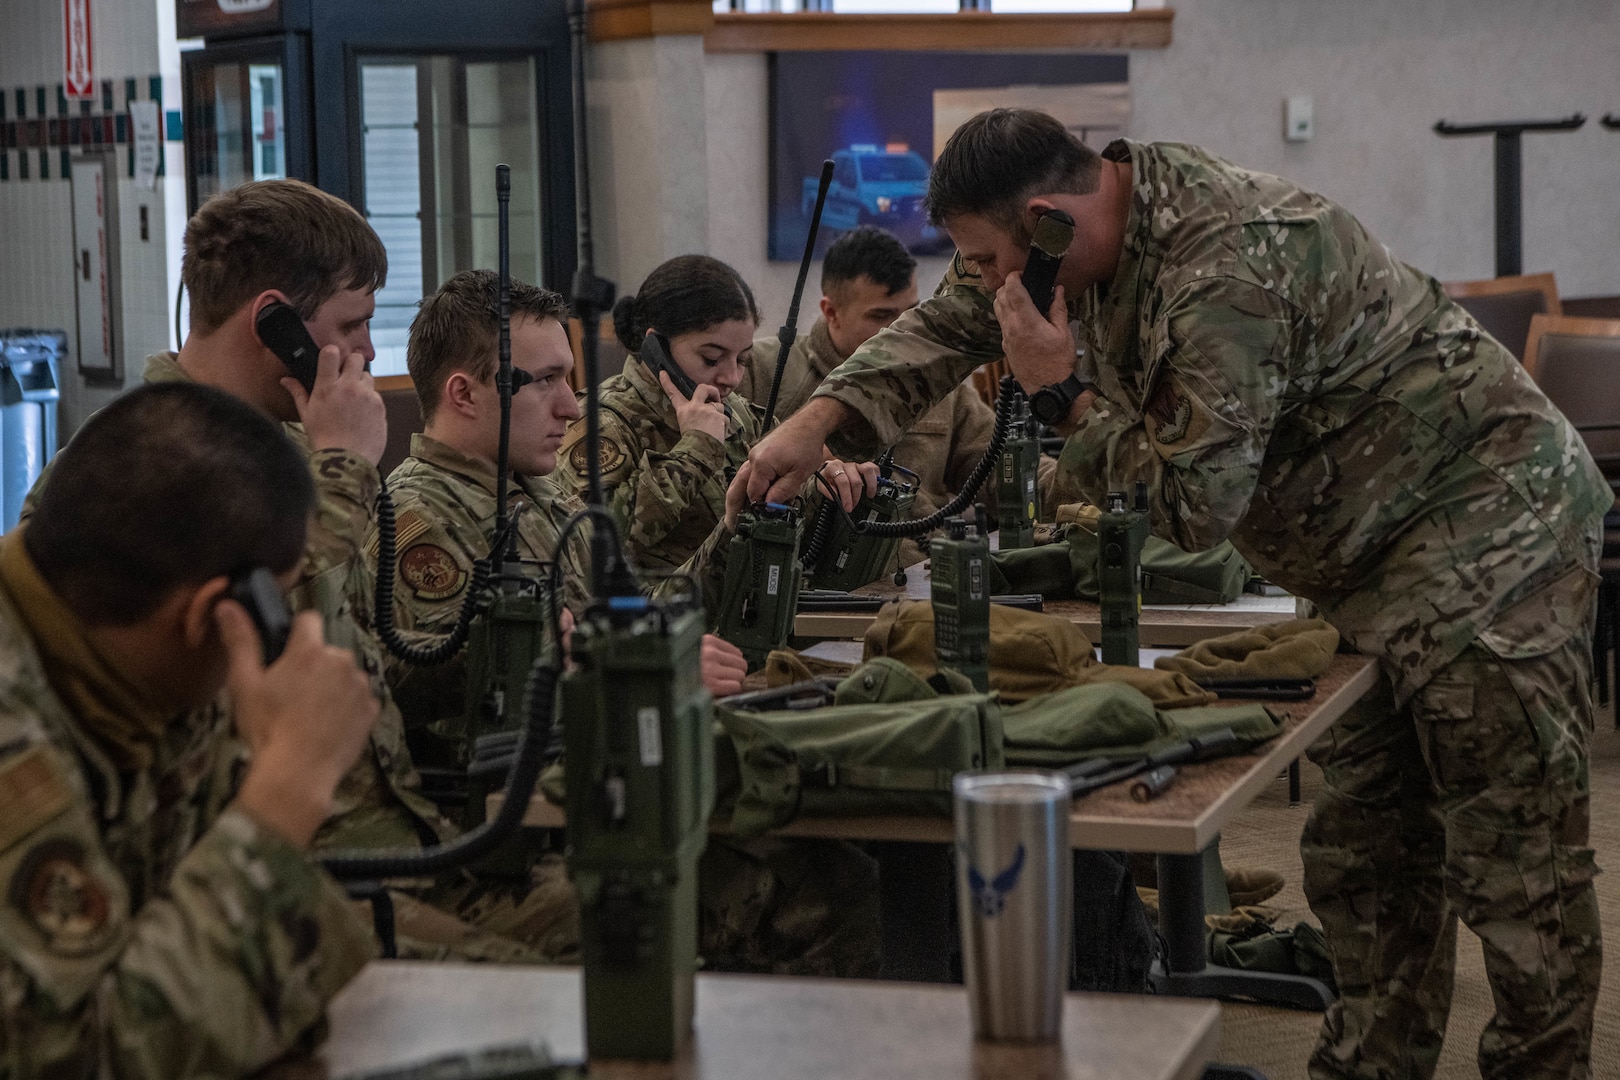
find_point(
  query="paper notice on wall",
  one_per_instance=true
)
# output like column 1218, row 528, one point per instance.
column 144, row 121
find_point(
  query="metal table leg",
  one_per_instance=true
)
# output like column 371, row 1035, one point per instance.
column 1185, row 971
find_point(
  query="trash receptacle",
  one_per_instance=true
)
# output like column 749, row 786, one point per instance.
column 30, row 365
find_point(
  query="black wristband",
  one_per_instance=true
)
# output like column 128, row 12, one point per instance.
column 1051, row 404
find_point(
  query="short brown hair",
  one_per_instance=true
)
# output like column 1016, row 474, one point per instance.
column 458, row 329
column 276, row 234
column 999, row 160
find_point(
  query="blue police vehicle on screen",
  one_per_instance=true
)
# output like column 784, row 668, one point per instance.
column 882, row 186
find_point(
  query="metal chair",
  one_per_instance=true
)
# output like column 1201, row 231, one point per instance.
column 1504, row 306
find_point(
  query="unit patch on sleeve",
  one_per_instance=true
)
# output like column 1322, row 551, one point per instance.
column 431, row 572
column 612, row 457
column 62, row 900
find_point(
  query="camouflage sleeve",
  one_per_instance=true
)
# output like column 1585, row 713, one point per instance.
column 900, row 374
column 345, row 509
column 972, row 422
column 1217, row 374
column 650, row 495
column 706, row 569
column 227, row 969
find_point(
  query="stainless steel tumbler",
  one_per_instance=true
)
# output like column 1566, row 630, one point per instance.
column 1014, row 897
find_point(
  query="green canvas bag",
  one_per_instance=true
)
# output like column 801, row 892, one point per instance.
column 867, row 758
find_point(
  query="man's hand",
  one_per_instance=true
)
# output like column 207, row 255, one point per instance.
column 702, row 412
column 306, row 719
column 345, row 412
column 850, row 480
column 737, row 495
column 783, row 460
column 1039, row 349
column 723, row 666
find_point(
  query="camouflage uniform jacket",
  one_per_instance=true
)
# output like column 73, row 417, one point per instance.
column 941, row 448
column 144, row 932
column 379, row 802
column 666, row 490
column 444, row 514
column 1279, row 378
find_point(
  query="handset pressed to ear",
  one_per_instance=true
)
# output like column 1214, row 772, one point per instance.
column 284, row 333
column 1054, row 232
column 655, row 354
column 256, row 590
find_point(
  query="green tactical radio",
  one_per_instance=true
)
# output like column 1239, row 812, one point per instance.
column 1120, row 536
column 961, row 598
column 640, row 764
column 837, row 557
column 1018, row 498
column 761, row 593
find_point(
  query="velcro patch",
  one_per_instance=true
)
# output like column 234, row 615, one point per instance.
column 1174, row 417
column 612, row 456
column 62, row 899
column 431, row 572
column 32, row 792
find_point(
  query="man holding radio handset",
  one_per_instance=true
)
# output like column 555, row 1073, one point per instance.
column 1279, row 378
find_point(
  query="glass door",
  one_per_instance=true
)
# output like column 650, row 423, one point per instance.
column 238, row 123
column 432, row 130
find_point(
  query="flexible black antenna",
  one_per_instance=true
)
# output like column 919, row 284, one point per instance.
column 592, row 296
column 790, row 329
column 503, row 370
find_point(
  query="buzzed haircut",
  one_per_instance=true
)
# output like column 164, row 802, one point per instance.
column 276, row 234
column 172, row 484
column 867, row 251
column 997, row 161
column 458, row 329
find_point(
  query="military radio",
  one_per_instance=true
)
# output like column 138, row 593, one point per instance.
column 961, row 599
column 839, row 556
column 763, row 576
column 1018, row 497
column 1121, row 533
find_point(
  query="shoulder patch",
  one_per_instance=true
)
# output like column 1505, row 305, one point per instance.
column 1173, row 416
column 32, row 792
column 612, row 456
column 431, row 572
column 965, row 269
column 62, row 900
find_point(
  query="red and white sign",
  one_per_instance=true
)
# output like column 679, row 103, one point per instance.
column 80, row 80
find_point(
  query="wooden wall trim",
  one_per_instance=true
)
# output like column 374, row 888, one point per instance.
column 617, row 20
column 969, row 30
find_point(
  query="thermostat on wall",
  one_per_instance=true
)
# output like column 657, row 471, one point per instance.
column 1299, row 123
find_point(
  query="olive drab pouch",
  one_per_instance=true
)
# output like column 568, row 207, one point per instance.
column 859, row 759
column 1296, row 649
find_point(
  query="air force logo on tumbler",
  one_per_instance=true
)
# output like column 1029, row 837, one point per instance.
column 989, row 897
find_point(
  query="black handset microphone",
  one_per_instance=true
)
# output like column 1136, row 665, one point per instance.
column 1054, row 232
column 285, row 334
column 655, row 354
column 256, row 590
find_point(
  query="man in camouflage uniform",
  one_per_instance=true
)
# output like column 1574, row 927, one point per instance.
column 159, row 917
column 790, row 908
column 1279, row 378
column 867, row 279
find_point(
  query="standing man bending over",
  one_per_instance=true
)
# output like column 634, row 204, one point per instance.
column 154, row 923
column 867, row 280
column 1278, row 378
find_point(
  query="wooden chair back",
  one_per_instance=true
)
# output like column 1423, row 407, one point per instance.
column 1505, row 305
column 404, row 418
column 1576, row 362
column 609, row 354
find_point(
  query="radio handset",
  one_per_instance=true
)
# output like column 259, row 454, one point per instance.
column 655, row 354
column 285, row 334
column 1054, row 232
column 256, row 590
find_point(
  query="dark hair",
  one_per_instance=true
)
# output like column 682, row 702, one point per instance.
column 172, row 484
column 997, row 161
column 276, row 234
column 867, row 251
column 458, row 329
column 689, row 292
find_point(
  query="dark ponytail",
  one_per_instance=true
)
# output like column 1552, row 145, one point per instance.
column 689, row 292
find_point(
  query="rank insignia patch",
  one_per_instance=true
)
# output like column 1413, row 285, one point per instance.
column 62, row 899
column 612, row 457
column 431, row 572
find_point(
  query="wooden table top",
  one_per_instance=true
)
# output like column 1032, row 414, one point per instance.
column 754, row 1027
column 1172, row 625
column 1182, row 821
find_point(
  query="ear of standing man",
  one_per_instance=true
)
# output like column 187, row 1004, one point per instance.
column 1279, row 379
